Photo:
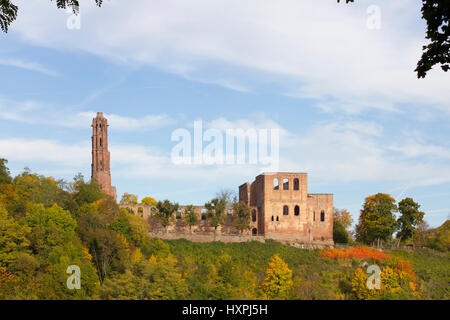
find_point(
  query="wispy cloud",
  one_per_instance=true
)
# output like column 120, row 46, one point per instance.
column 310, row 49
column 33, row 66
column 33, row 112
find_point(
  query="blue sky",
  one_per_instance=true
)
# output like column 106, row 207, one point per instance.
column 345, row 98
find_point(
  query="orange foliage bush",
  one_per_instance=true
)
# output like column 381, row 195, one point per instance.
column 356, row 253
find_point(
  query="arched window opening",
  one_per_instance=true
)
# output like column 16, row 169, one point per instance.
column 101, row 128
column 314, row 216
column 140, row 210
column 296, row 184
column 229, row 212
column 101, row 142
column 203, row 214
column 297, row 211
column 276, row 184
column 254, row 231
column 272, row 218
column 254, row 215
column 278, row 219
column 322, row 215
column 285, row 210
column 285, row 184
column 322, row 238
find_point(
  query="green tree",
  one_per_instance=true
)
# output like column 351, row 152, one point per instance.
column 190, row 217
column 124, row 286
column 377, row 220
column 85, row 192
column 278, row 279
column 215, row 213
column 410, row 217
column 5, row 175
column 166, row 282
column 440, row 238
column 241, row 216
column 340, row 235
column 165, row 212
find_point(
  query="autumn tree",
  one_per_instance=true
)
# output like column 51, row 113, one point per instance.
column 165, row 212
column 344, row 217
column 241, row 216
column 377, row 220
column 278, row 279
column 410, row 217
column 341, row 223
column 149, row 201
column 129, row 199
column 190, row 217
column 12, row 239
column 215, row 213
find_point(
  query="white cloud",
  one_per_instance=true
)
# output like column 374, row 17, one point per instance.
column 32, row 112
column 48, row 151
column 33, row 66
column 321, row 50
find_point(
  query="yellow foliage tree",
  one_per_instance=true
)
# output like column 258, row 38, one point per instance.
column 278, row 280
column 149, row 201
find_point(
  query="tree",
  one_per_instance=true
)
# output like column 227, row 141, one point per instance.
column 149, row 201
column 440, row 239
column 129, row 199
column 436, row 13
column 165, row 212
column 340, row 235
column 344, row 217
column 241, row 216
column 86, row 192
column 377, row 219
column 215, row 213
column 229, row 196
column 410, row 217
column 278, row 279
column 8, row 11
column 12, row 239
column 420, row 237
column 5, row 175
column 190, row 217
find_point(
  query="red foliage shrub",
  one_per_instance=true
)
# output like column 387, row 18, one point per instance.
column 356, row 253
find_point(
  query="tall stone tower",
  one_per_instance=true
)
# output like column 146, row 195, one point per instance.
column 101, row 171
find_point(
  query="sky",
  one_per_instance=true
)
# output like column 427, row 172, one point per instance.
column 336, row 80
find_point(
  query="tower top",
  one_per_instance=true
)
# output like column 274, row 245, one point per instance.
column 99, row 114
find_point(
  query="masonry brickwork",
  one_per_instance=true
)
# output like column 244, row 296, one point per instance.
column 281, row 207
column 101, row 169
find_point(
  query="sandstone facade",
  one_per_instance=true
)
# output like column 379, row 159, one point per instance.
column 101, row 170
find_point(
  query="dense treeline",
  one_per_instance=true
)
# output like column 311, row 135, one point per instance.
column 47, row 225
